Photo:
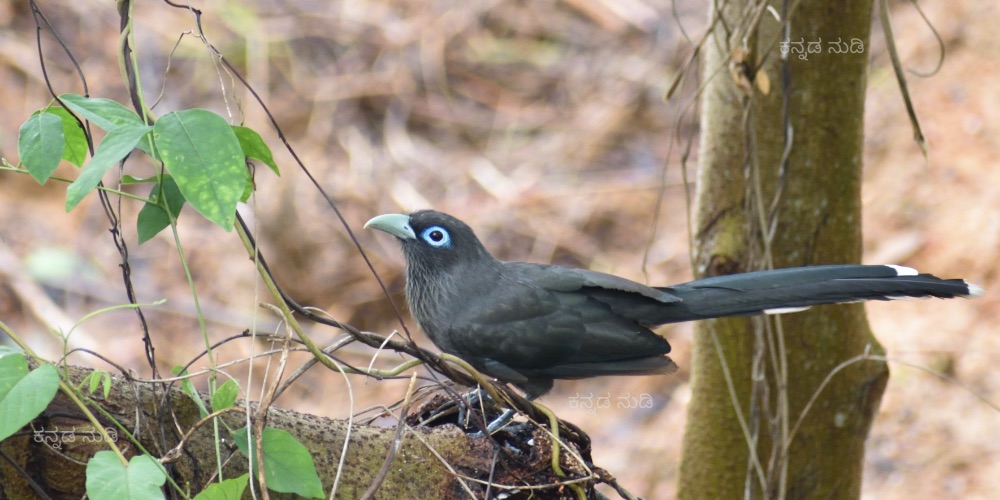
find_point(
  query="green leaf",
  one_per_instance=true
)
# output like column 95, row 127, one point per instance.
column 288, row 467
column 8, row 350
column 225, row 395
column 153, row 218
column 119, row 142
column 95, row 379
column 23, row 394
column 107, row 385
column 188, row 388
column 253, row 146
column 104, row 113
column 204, row 156
column 247, row 190
column 108, row 478
column 40, row 144
column 229, row 489
column 75, row 151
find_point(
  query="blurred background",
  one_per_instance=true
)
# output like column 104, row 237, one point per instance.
column 543, row 125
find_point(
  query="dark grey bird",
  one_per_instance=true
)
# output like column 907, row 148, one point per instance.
column 529, row 324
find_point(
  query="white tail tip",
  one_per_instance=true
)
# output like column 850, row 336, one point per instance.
column 903, row 270
column 785, row 310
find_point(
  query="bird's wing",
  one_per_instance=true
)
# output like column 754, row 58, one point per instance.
column 566, row 279
column 541, row 323
column 634, row 301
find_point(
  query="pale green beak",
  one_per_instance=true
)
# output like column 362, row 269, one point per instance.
column 397, row 225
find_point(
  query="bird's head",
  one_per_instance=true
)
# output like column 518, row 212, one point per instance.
column 432, row 241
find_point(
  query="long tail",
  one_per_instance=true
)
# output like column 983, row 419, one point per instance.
column 793, row 289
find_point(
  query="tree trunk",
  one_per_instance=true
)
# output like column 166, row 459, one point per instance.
column 782, row 152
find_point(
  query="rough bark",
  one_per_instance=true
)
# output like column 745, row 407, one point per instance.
column 817, row 221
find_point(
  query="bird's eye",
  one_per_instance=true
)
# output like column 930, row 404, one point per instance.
column 437, row 237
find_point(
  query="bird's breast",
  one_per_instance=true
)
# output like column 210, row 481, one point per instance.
column 437, row 299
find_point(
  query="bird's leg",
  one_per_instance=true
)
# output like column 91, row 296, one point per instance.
column 470, row 399
column 532, row 389
column 474, row 398
column 498, row 423
column 502, row 420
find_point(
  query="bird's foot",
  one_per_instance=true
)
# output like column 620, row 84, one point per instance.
column 497, row 424
column 478, row 398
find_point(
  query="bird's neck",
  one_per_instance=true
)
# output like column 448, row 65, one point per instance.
column 430, row 289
